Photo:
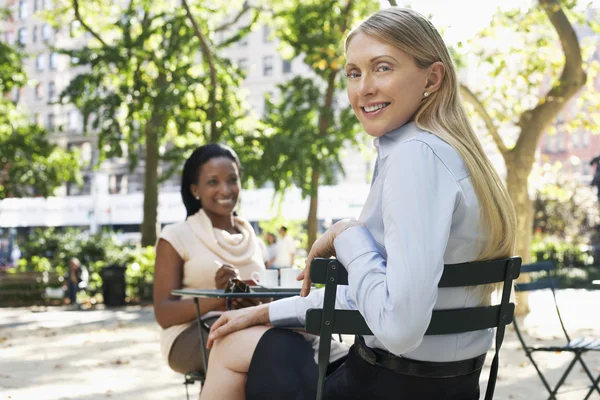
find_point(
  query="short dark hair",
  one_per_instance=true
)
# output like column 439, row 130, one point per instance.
column 284, row 228
column 191, row 170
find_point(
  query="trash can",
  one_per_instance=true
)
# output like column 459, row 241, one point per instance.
column 113, row 285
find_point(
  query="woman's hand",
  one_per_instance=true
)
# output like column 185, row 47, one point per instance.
column 236, row 320
column 323, row 248
column 223, row 275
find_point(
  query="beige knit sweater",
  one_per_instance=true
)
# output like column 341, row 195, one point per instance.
column 200, row 245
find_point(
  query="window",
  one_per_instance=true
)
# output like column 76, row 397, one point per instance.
column 560, row 142
column 16, row 95
column 35, row 33
column 268, row 66
column 266, row 34
column 550, row 143
column 585, row 139
column 243, row 64
column 10, row 37
column 286, row 66
column 117, row 184
column 53, row 61
column 51, row 90
column 75, row 121
column 38, row 91
column 575, row 139
column 50, row 122
column 39, row 62
column 46, row 32
column 86, row 153
column 22, row 36
column 23, row 9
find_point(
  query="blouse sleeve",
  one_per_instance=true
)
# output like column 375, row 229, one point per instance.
column 174, row 235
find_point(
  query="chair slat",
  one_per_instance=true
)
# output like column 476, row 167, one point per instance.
column 454, row 275
column 538, row 266
column 461, row 320
column 345, row 322
column 443, row 322
column 478, row 272
column 540, row 284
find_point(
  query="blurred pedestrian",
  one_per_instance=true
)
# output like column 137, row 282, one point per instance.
column 271, row 249
column 77, row 279
column 286, row 250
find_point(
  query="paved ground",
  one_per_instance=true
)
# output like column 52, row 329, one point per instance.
column 56, row 354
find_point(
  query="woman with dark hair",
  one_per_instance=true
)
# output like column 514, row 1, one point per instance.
column 210, row 247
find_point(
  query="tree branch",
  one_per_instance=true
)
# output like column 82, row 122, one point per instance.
column 469, row 96
column 212, row 90
column 86, row 26
column 244, row 10
column 572, row 79
column 393, row 3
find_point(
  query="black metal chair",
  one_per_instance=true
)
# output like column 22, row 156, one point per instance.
column 576, row 346
column 326, row 321
column 191, row 378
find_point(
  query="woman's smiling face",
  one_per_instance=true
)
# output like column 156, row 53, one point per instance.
column 385, row 86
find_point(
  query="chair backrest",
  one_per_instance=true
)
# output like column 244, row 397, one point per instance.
column 443, row 322
column 547, row 282
column 326, row 321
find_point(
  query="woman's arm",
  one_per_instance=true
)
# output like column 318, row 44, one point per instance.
column 171, row 310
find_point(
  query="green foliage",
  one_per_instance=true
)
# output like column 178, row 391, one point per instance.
column 292, row 146
column 303, row 133
column 29, row 163
column 576, row 267
column 49, row 250
column 566, row 210
column 153, row 84
column 518, row 53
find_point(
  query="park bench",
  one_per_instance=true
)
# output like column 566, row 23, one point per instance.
column 28, row 288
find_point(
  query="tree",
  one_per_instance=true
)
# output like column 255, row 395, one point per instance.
column 154, row 83
column 304, row 133
column 29, row 163
column 530, row 84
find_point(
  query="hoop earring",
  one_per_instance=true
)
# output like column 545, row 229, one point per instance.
column 426, row 94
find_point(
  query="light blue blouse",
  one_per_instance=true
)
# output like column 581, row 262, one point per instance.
column 421, row 213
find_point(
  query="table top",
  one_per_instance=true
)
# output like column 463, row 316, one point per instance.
column 255, row 292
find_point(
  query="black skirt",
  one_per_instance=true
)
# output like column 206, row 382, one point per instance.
column 283, row 367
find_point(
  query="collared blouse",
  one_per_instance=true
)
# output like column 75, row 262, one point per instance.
column 421, row 213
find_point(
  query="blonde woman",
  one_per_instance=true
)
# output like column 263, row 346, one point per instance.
column 435, row 199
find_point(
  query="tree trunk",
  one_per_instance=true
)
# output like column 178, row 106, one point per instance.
column 516, row 181
column 311, row 223
column 150, row 184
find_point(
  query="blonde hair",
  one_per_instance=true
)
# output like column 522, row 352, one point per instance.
column 443, row 114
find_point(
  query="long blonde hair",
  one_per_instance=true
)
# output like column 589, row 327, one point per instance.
column 443, row 114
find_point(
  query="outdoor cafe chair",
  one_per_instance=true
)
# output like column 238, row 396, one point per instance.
column 577, row 346
column 326, row 321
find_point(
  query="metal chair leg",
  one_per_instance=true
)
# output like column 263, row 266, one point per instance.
column 594, row 386
column 563, row 378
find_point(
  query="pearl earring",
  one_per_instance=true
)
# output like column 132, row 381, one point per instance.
column 197, row 197
column 426, row 94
